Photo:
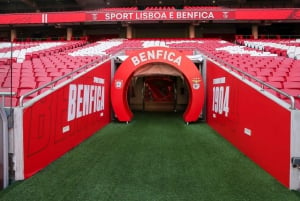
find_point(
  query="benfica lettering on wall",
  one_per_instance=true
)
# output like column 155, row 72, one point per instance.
column 86, row 99
column 160, row 55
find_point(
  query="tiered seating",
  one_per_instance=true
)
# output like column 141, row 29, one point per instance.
column 6, row 54
column 283, row 47
column 160, row 8
column 20, row 51
column 119, row 9
column 202, row 7
column 280, row 72
column 186, row 46
column 44, row 66
column 270, row 68
column 98, row 48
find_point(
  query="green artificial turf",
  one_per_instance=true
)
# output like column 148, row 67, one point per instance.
column 156, row 157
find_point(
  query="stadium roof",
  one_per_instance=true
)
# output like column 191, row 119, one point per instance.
column 25, row 6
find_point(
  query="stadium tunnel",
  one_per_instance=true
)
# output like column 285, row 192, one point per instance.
column 157, row 79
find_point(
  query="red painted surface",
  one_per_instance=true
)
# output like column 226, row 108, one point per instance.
column 136, row 15
column 169, row 56
column 66, row 17
column 269, row 142
column 49, row 131
column 267, row 14
column 21, row 18
column 205, row 14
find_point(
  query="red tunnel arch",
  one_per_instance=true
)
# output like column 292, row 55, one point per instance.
column 163, row 55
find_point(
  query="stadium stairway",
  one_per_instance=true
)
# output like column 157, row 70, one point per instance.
column 31, row 76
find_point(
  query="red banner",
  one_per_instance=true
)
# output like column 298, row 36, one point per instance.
column 152, row 15
column 176, row 15
column 255, row 124
column 65, row 17
column 267, row 14
column 66, row 117
column 28, row 18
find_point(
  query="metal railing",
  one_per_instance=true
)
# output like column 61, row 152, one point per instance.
column 269, row 36
column 5, row 94
column 197, row 51
column 245, row 74
column 70, row 75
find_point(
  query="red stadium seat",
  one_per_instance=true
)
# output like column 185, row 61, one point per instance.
column 277, row 79
column 293, row 79
column 278, row 85
column 292, row 85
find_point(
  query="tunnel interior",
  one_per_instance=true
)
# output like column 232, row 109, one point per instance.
column 157, row 93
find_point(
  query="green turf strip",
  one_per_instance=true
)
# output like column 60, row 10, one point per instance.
column 156, row 157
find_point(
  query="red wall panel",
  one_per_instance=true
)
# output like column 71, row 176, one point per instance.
column 58, row 122
column 26, row 18
column 265, row 14
column 66, row 17
column 253, row 123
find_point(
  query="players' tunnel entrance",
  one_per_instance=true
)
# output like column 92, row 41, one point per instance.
column 159, row 87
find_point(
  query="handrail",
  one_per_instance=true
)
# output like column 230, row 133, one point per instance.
column 226, row 64
column 270, row 36
column 263, row 84
column 292, row 98
column 53, row 82
column 4, row 94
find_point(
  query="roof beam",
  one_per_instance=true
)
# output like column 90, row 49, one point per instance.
column 32, row 4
